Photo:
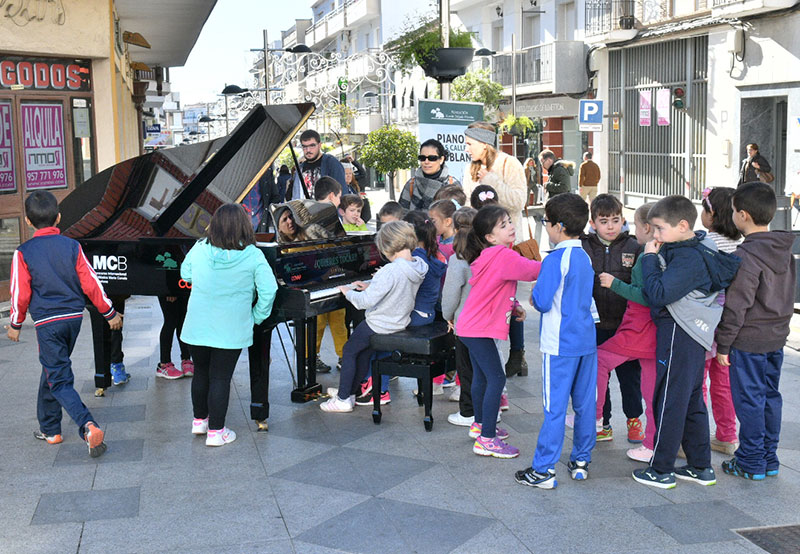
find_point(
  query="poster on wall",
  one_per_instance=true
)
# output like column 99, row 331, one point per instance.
column 43, row 146
column 7, row 182
column 645, row 105
column 446, row 122
column 663, row 97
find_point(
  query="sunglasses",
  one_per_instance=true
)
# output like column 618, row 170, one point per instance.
column 429, row 158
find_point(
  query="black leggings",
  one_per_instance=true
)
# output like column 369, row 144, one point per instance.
column 211, row 385
column 174, row 314
column 464, row 367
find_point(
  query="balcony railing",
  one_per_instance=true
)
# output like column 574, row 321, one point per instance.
column 718, row 3
column 604, row 16
column 534, row 65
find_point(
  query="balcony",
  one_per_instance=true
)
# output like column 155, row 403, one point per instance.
column 739, row 8
column 365, row 121
column 358, row 12
column 349, row 15
column 611, row 20
column 317, row 32
column 556, row 67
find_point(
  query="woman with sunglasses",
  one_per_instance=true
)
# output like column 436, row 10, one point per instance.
column 429, row 177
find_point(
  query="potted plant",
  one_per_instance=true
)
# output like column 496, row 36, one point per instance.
column 517, row 126
column 422, row 45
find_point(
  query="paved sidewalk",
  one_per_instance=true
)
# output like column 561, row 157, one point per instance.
column 320, row 482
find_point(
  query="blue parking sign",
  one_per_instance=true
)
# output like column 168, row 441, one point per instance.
column 590, row 116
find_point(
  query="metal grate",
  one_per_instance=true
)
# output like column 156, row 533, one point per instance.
column 784, row 539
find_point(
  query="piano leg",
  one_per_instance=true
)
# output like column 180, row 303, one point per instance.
column 305, row 331
column 259, row 355
column 101, row 334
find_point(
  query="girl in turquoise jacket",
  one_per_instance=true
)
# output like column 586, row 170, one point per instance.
column 227, row 274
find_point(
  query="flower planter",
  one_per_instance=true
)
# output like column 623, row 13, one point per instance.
column 448, row 63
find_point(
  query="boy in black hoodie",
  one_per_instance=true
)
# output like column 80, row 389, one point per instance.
column 753, row 330
column 614, row 251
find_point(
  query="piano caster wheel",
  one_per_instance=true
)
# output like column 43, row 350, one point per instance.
column 428, row 422
column 376, row 417
column 99, row 392
column 262, row 425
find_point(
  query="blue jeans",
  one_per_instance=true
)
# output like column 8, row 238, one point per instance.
column 356, row 356
column 56, row 386
column 758, row 404
column 488, row 380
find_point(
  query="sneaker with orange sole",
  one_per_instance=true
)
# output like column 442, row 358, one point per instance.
column 635, row 431
column 49, row 439
column 93, row 436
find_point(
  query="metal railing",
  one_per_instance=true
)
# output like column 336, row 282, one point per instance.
column 534, row 65
column 718, row 3
column 603, row 16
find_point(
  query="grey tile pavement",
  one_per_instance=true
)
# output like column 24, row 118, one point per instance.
column 324, row 483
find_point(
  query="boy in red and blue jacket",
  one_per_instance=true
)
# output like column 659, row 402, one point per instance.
column 49, row 276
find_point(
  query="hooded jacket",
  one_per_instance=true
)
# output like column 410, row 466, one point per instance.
column 492, row 298
column 424, row 188
column 224, row 283
column 559, row 177
column 760, row 300
column 429, row 291
column 389, row 299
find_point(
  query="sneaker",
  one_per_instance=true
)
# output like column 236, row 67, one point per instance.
column 494, row 447
column 447, row 383
column 93, row 436
column 199, row 426
column 475, row 431
column 460, row 420
column 605, row 433
column 50, row 439
column 168, row 371
column 531, row 478
column 635, row 431
column 732, row 467
column 322, row 367
column 187, row 367
column 118, row 374
column 336, row 405
column 503, row 402
column 366, row 387
column 702, row 476
column 649, row 476
column 366, row 399
column 579, row 470
column 455, row 396
column 220, row 437
column 569, row 421
column 772, row 472
column 640, row 454
column 725, row 447
column 339, row 365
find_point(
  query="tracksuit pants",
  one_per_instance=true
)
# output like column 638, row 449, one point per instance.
column 754, row 387
column 681, row 415
column 721, row 402
column 564, row 377
column 56, row 386
column 336, row 321
column 630, row 384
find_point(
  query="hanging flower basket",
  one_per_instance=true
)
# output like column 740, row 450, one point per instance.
column 448, row 63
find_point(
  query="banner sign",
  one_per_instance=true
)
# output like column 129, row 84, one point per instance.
column 7, row 182
column 446, row 122
column 645, row 107
column 663, row 97
column 20, row 72
column 43, row 146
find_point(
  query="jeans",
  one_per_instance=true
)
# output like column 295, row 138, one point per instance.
column 488, row 380
column 356, row 357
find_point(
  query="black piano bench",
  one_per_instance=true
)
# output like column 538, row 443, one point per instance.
column 420, row 352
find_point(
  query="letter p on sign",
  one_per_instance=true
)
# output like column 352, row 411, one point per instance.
column 590, row 117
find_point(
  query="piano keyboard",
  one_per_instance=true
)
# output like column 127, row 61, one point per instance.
column 326, row 293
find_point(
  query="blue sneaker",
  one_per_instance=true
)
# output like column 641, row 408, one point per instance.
column 118, row 374
column 772, row 472
column 732, row 467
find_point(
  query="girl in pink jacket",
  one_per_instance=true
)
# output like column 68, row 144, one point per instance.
column 487, row 313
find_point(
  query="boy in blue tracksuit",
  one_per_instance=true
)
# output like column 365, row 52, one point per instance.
column 563, row 293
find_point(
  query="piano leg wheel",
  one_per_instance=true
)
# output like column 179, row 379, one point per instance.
column 428, row 422
column 376, row 417
column 262, row 426
column 99, row 392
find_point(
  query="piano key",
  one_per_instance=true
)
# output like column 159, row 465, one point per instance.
column 325, row 293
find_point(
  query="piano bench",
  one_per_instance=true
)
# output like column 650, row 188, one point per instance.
column 419, row 352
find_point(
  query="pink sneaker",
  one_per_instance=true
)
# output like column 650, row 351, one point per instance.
column 366, row 387
column 503, row 402
column 494, row 447
column 187, row 367
column 168, row 371
column 476, row 428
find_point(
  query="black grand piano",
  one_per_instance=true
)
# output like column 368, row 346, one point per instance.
column 138, row 219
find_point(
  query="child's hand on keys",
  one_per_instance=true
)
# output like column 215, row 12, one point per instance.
column 652, row 247
column 13, row 334
column 606, row 279
column 360, row 285
column 115, row 322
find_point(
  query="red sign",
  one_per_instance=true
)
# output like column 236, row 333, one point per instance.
column 45, row 74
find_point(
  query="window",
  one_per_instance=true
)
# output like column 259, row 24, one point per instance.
column 531, row 31
column 566, row 21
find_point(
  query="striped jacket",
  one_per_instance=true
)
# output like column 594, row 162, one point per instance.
column 50, row 275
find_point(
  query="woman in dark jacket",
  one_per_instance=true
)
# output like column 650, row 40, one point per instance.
column 431, row 175
column 752, row 165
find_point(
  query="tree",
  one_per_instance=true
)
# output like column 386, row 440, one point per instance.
column 477, row 86
column 388, row 149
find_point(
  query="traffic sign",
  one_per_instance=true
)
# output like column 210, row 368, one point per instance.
column 590, row 115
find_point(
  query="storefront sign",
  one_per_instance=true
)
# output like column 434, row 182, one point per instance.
column 44, row 74
column 7, row 182
column 22, row 12
column 43, row 146
column 558, row 106
column 663, row 97
column 446, row 122
column 645, row 107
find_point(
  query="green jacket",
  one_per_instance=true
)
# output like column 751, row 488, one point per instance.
column 559, row 180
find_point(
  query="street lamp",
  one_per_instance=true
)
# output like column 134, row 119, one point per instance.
column 233, row 90
column 296, row 49
column 207, row 120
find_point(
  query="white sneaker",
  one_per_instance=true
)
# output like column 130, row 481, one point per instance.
column 200, row 426
column 455, row 396
column 332, row 391
column 220, row 437
column 640, row 454
column 335, row 404
column 461, row 421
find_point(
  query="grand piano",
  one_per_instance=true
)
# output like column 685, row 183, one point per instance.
column 137, row 220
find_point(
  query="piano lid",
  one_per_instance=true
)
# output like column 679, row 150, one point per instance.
column 174, row 192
